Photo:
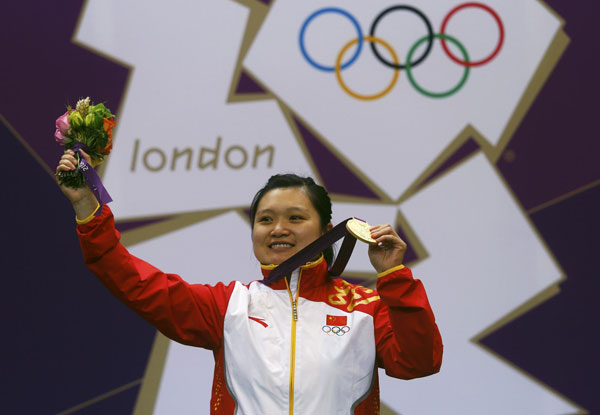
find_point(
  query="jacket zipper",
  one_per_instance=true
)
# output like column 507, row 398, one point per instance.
column 294, row 303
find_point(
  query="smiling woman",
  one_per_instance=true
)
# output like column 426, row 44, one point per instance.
column 308, row 343
column 285, row 222
column 285, row 218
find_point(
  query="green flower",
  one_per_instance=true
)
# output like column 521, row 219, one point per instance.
column 93, row 120
column 75, row 119
column 101, row 111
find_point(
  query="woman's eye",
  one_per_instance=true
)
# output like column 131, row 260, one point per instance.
column 264, row 219
column 296, row 217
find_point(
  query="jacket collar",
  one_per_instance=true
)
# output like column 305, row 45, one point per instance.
column 313, row 274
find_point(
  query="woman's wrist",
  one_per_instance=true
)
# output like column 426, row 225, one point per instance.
column 389, row 270
column 87, row 218
column 85, row 207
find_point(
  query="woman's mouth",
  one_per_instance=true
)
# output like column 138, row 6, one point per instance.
column 281, row 245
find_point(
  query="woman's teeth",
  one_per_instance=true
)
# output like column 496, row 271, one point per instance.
column 281, row 245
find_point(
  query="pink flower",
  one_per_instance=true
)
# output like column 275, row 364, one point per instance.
column 59, row 137
column 62, row 128
column 62, row 122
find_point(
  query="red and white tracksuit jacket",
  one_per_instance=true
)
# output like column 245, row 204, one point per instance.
column 310, row 347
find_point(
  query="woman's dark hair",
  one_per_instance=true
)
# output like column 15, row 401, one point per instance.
column 316, row 193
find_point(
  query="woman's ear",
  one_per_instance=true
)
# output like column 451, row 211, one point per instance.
column 328, row 227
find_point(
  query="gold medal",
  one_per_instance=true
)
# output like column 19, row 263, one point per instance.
column 361, row 230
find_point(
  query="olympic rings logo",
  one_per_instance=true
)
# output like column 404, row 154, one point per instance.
column 335, row 330
column 410, row 61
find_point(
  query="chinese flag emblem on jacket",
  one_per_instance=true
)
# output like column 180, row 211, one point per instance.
column 336, row 320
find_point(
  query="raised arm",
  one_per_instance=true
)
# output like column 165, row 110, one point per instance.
column 409, row 344
column 188, row 313
column 408, row 341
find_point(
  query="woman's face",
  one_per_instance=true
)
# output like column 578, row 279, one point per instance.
column 285, row 222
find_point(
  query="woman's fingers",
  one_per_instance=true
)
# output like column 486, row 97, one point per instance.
column 86, row 156
column 66, row 162
column 380, row 230
column 386, row 235
column 386, row 239
column 390, row 248
column 65, row 165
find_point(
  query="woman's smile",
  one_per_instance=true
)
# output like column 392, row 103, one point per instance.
column 281, row 245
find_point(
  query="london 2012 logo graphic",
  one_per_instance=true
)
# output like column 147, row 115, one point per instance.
column 411, row 61
column 310, row 113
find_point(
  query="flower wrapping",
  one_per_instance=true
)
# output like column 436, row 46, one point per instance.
column 88, row 127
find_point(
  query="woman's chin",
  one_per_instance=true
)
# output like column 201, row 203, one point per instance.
column 277, row 259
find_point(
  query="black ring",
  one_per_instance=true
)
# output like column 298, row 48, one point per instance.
column 389, row 10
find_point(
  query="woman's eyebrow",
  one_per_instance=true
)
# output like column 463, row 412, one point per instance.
column 289, row 209
column 300, row 208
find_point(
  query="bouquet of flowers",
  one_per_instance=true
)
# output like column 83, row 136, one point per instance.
column 88, row 128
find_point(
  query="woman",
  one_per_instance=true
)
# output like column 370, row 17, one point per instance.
column 307, row 344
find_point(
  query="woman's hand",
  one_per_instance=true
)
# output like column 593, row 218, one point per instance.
column 83, row 200
column 390, row 249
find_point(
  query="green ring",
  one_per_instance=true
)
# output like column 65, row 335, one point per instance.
column 437, row 94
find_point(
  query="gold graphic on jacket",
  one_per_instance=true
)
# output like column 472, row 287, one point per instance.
column 351, row 297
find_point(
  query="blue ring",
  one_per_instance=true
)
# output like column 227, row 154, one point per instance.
column 330, row 10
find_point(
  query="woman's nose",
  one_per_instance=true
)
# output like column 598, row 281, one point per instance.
column 279, row 229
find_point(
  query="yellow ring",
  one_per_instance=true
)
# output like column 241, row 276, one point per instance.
column 338, row 72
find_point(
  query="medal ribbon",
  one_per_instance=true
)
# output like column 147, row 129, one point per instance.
column 314, row 249
column 92, row 178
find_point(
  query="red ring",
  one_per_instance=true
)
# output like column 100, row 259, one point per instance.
column 500, row 26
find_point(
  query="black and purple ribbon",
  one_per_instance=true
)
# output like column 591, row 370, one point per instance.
column 91, row 177
column 309, row 252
